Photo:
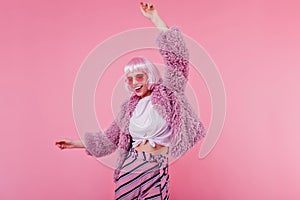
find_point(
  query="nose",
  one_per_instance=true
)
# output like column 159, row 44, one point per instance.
column 134, row 81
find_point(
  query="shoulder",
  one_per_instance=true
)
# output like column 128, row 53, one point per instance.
column 165, row 100
column 129, row 102
column 162, row 91
column 161, row 88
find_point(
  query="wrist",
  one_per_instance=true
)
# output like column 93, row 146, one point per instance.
column 78, row 144
column 159, row 23
column 155, row 18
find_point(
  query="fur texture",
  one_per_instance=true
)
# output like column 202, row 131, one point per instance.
column 175, row 54
column 122, row 154
column 98, row 145
column 167, row 98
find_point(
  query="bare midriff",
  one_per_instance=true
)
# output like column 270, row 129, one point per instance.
column 158, row 149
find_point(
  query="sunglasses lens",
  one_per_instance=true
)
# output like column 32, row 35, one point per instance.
column 139, row 77
column 129, row 80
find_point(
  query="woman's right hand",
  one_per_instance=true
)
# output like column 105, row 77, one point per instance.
column 68, row 144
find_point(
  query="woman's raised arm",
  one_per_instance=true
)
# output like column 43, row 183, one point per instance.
column 150, row 12
column 173, row 49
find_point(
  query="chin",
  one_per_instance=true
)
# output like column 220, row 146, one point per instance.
column 140, row 94
column 143, row 92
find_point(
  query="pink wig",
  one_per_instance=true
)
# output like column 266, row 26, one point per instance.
column 142, row 64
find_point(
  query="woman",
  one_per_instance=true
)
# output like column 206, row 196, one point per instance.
column 155, row 122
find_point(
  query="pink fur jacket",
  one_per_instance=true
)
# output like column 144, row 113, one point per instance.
column 168, row 99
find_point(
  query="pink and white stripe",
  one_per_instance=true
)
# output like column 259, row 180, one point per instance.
column 143, row 176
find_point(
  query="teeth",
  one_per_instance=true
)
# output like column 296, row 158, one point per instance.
column 138, row 87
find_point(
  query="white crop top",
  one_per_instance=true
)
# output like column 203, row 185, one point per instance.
column 147, row 124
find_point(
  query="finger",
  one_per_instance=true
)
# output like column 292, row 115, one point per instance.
column 142, row 9
column 61, row 141
column 145, row 6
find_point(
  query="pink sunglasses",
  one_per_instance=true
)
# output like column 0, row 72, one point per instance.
column 137, row 77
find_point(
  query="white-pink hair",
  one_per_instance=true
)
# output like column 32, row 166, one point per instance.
column 142, row 64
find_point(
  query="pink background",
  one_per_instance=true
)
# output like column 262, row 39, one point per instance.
column 255, row 45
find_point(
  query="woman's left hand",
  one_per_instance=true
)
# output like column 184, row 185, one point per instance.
column 148, row 10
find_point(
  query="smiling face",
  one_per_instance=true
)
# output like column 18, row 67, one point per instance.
column 138, row 83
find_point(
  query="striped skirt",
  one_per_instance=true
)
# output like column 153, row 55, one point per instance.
column 143, row 176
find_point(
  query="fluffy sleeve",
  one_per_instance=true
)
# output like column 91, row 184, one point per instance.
column 104, row 143
column 176, row 58
column 100, row 143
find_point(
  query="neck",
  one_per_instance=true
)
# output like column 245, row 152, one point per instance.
column 146, row 94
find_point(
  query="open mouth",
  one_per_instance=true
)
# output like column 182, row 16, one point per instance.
column 138, row 89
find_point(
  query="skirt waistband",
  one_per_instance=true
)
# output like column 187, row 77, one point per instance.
column 146, row 156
